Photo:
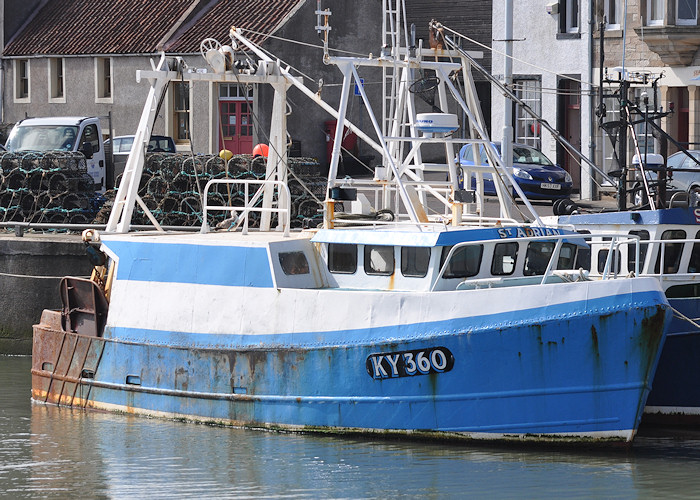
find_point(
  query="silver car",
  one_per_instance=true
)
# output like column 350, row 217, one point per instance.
column 688, row 181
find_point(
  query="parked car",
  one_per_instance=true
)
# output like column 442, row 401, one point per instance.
column 122, row 148
column 537, row 176
column 683, row 177
column 684, row 181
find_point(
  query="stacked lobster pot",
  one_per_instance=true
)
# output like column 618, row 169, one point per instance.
column 172, row 186
column 46, row 187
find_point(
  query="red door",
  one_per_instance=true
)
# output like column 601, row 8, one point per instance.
column 236, row 126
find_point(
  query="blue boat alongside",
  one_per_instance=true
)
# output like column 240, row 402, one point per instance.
column 670, row 252
column 417, row 316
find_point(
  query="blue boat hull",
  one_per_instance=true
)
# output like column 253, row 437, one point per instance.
column 675, row 398
column 563, row 379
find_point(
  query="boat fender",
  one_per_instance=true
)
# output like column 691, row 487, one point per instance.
column 96, row 257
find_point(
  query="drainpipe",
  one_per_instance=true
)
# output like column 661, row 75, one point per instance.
column 2, row 90
column 507, row 144
column 591, row 101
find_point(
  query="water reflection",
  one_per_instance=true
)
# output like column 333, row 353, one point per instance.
column 59, row 452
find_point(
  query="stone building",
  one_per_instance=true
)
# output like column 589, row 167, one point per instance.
column 658, row 39
column 80, row 58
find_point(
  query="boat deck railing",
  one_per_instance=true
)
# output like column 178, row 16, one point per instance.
column 551, row 273
column 681, row 272
column 240, row 214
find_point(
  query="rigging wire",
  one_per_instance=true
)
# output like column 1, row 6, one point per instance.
column 491, row 49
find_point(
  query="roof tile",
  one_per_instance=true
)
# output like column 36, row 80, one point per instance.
column 76, row 27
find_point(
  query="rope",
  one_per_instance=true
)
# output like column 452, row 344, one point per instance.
column 471, row 40
column 682, row 316
column 10, row 275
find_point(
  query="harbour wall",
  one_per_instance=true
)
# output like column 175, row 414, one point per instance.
column 31, row 267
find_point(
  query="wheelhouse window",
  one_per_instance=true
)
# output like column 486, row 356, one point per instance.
column 103, row 79
column 567, row 256
column 583, row 255
column 686, row 12
column 342, row 258
column 655, row 12
column 537, row 257
column 504, row 257
column 181, row 111
column 631, row 249
column 694, row 264
column 293, row 263
column 465, row 261
column 379, row 260
column 539, row 253
column 415, row 261
column 615, row 264
column 56, row 81
column 671, row 252
column 21, row 70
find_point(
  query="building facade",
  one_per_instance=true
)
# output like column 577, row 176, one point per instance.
column 55, row 66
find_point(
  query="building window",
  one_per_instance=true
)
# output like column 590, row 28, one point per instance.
column 57, row 91
column 655, row 12
column 103, row 79
column 181, row 111
column 644, row 132
column 572, row 16
column 613, row 14
column 21, row 80
column 527, row 130
column 687, row 12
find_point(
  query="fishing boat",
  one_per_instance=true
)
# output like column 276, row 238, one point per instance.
column 670, row 252
column 411, row 314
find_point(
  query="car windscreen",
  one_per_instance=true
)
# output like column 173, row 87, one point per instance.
column 531, row 156
column 42, row 138
column 162, row 144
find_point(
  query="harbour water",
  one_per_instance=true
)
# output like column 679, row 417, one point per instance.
column 47, row 451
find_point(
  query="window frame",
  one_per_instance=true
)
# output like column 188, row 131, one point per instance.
column 613, row 24
column 331, row 258
column 573, row 18
column 294, row 263
column 686, row 21
column 406, row 258
column 673, row 251
column 526, row 129
column 388, row 251
column 650, row 8
column 57, row 79
column 452, row 271
column 104, row 95
column 497, row 268
column 22, row 73
column 176, row 111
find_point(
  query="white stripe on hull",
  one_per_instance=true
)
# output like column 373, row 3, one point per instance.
column 180, row 307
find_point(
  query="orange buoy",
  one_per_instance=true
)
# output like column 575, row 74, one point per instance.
column 260, row 150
